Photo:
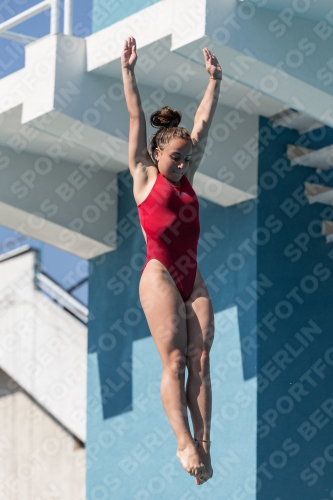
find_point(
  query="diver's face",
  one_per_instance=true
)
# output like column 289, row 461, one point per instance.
column 173, row 161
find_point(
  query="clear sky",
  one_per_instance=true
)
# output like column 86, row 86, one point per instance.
column 64, row 268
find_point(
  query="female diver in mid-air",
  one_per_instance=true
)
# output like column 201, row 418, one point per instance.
column 172, row 292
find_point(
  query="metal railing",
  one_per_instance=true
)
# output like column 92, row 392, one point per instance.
column 62, row 297
column 44, row 283
column 55, row 7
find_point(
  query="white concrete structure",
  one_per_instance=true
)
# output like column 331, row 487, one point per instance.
column 295, row 120
column 38, row 457
column 321, row 159
column 43, row 344
column 64, row 125
column 317, row 193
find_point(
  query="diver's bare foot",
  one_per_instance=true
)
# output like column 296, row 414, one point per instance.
column 191, row 461
column 204, row 454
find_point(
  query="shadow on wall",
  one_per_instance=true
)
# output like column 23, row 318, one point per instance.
column 295, row 349
column 227, row 260
column 106, row 13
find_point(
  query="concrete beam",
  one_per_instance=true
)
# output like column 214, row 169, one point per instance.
column 295, row 120
column 297, row 73
column 68, row 104
column 321, row 159
column 72, row 115
column 317, row 193
column 285, row 9
column 72, row 207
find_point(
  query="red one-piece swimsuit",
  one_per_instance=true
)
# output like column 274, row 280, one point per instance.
column 170, row 218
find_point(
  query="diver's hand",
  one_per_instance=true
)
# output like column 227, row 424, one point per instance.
column 129, row 55
column 212, row 65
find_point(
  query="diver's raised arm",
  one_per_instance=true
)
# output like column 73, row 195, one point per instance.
column 205, row 112
column 138, row 156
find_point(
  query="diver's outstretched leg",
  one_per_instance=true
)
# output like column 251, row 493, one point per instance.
column 200, row 336
column 164, row 309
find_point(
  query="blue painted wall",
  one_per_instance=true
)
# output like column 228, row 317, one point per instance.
column 107, row 12
column 295, row 343
column 130, row 445
column 286, row 298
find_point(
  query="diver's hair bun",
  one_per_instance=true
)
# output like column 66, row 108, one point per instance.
column 165, row 117
column 167, row 121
